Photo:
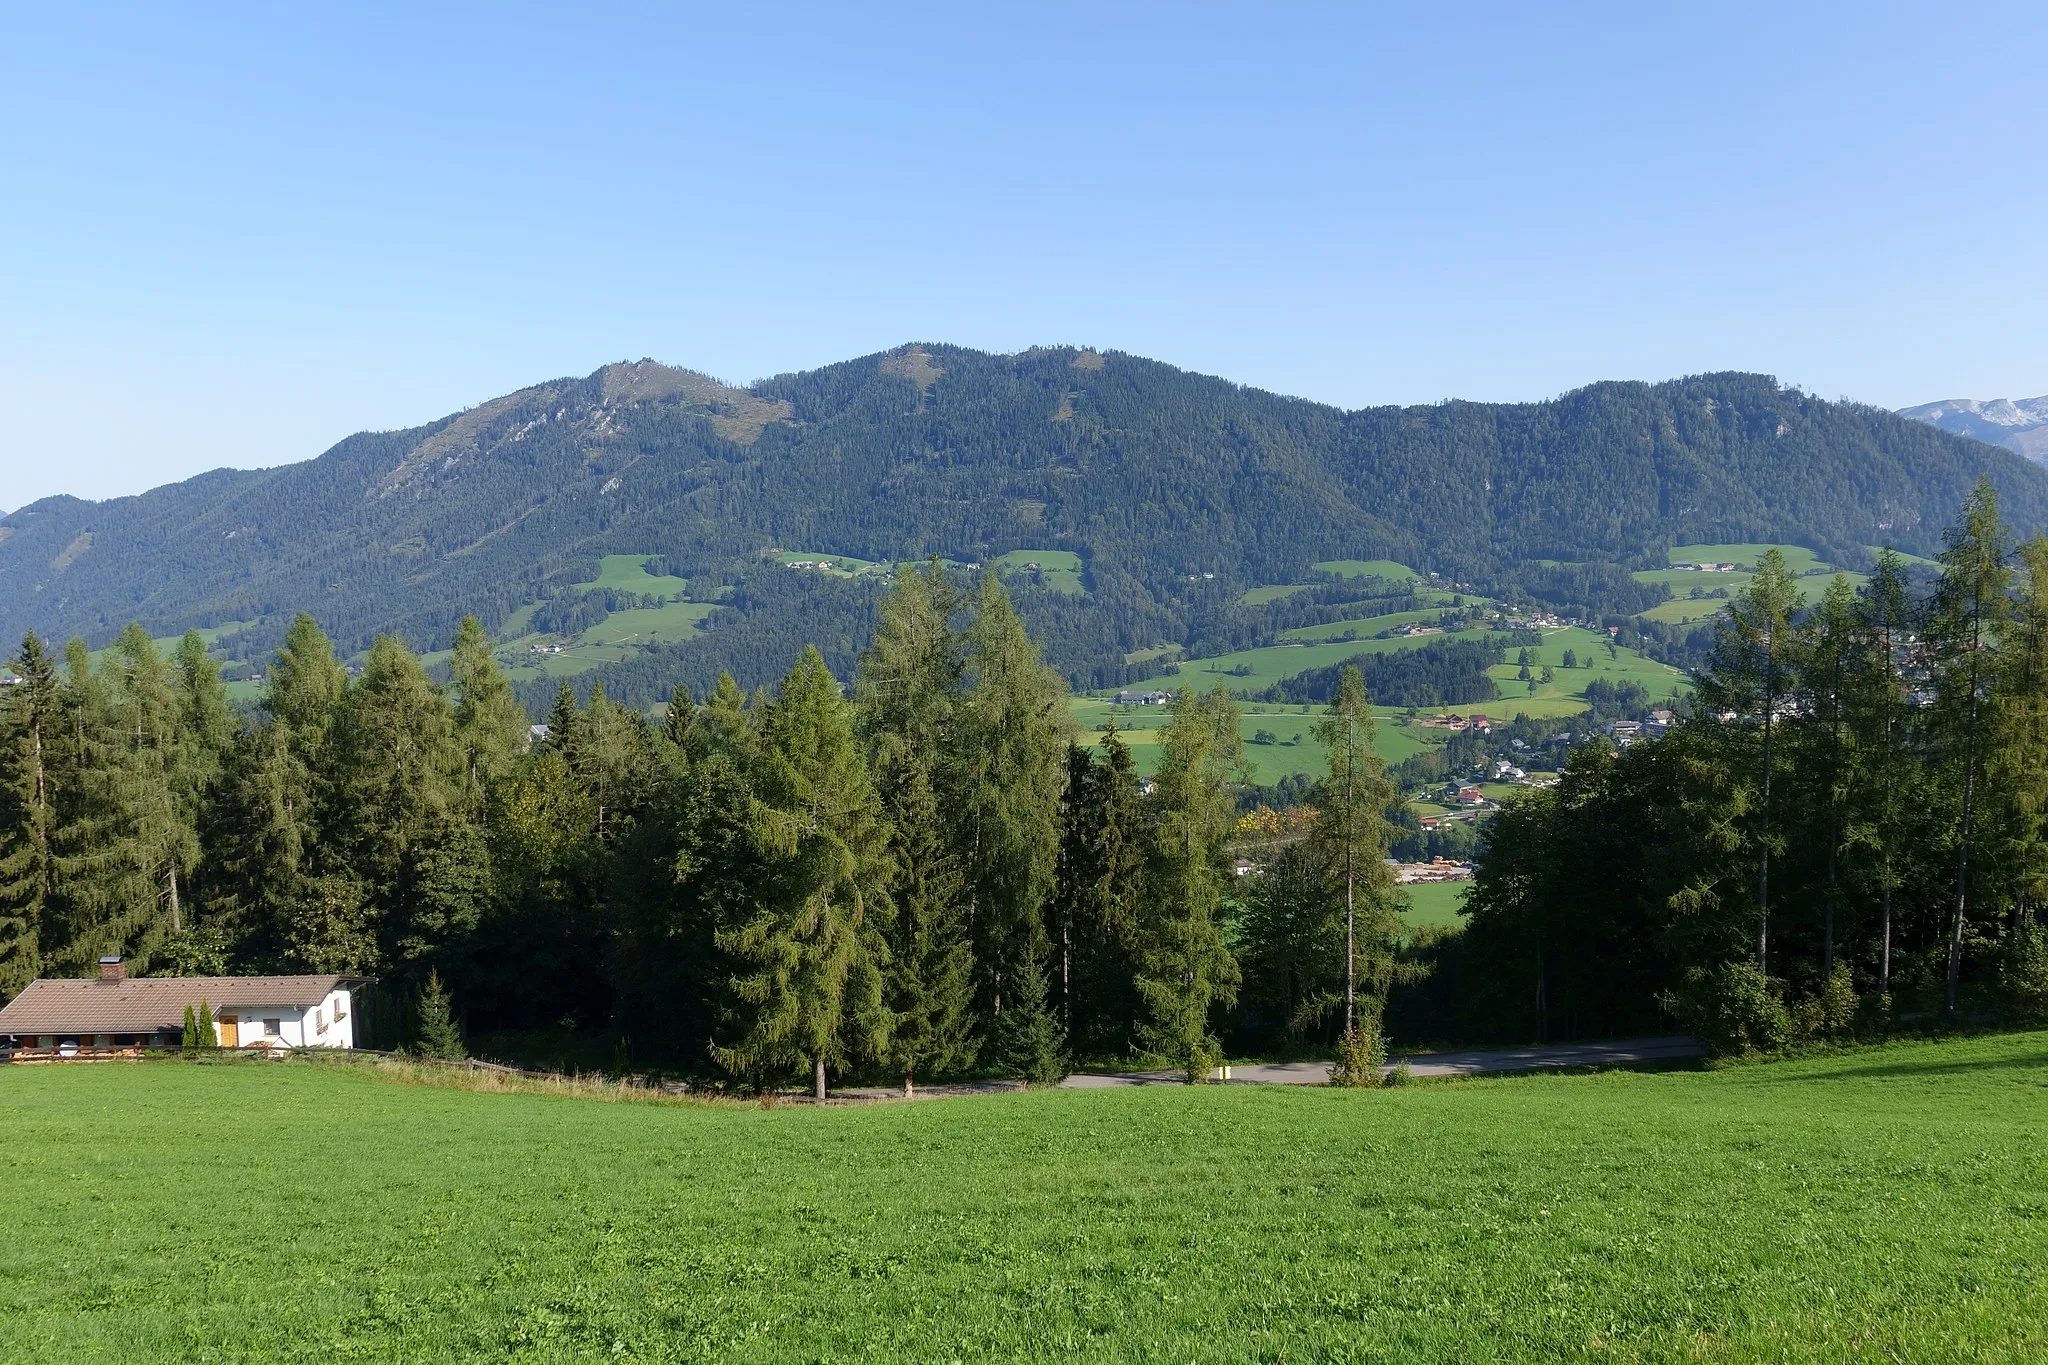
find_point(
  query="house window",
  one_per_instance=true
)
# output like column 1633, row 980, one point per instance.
column 320, row 1020
column 272, row 1028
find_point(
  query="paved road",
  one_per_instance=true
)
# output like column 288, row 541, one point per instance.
column 1624, row 1052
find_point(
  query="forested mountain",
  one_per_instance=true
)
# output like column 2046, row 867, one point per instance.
column 1156, row 478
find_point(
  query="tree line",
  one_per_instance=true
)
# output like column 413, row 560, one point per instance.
column 1849, row 827
column 921, row 874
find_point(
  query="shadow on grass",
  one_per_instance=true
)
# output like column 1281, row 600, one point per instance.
column 1876, row 1070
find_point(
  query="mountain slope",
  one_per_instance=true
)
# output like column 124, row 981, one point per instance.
column 1153, row 476
column 2020, row 425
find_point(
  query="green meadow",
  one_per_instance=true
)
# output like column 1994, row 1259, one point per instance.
column 1812, row 572
column 628, row 573
column 1059, row 570
column 1367, row 568
column 1439, row 903
column 1884, row 1204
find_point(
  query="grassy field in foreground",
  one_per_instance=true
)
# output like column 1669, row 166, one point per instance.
column 1886, row 1204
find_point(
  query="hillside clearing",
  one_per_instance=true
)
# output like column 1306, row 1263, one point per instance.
column 1877, row 1204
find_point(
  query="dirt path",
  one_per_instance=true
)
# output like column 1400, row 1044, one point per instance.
column 1624, row 1052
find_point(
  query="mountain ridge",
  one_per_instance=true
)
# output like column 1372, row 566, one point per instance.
column 2017, row 424
column 1153, row 476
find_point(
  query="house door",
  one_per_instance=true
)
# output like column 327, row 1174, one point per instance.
column 230, row 1031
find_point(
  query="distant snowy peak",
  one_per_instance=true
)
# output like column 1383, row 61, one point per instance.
column 2020, row 425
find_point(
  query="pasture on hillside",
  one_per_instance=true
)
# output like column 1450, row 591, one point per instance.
column 1873, row 1204
column 1810, row 573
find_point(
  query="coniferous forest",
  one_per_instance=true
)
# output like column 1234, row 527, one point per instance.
column 918, row 875
column 917, row 872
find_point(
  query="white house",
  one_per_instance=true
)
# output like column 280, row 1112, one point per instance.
column 62, row 1015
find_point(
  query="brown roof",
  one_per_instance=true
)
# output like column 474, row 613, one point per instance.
column 146, row 1004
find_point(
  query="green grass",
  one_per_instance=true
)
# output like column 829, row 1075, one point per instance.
column 1798, row 558
column 628, row 573
column 1881, row 1205
column 1273, row 592
column 1812, row 573
column 1059, row 570
column 1367, row 568
column 1368, row 626
column 649, row 625
column 1269, row 664
column 1434, row 903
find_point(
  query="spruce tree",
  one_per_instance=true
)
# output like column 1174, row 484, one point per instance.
column 930, row 978
column 1029, row 1042
column 206, row 1035
column 1098, row 901
column 809, row 988
column 30, row 728
column 1007, row 775
column 1185, row 967
column 437, row 1035
column 906, row 696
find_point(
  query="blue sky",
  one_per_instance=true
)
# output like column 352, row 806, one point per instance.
column 235, row 237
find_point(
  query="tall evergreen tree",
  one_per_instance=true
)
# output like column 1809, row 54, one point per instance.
column 265, row 841
column 1098, row 901
column 2017, row 764
column 906, row 704
column 1828, row 639
column 1185, row 965
column 810, row 988
column 1879, row 721
column 30, row 725
column 1352, row 829
column 1008, row 773
column 930, row 980
column 489, row 724
column 1749, row 677
column 1969, row 609
column 305, row 688
column 139, row 837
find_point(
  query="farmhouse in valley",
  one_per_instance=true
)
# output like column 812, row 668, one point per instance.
column 60, row 1016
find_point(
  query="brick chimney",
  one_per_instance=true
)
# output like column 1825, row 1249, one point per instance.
column 112, row 969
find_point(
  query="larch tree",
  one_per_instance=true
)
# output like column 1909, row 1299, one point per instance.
column 2017, row 763
column 489, row 723
column 809, row 986
column 1969, row 610
column 1185, row 966
column 305, row 688
column 30, row 722
column 140, row 838
column 1827, row 643
column 1879, row 722
column 1750, row 676
column 1352, row 829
